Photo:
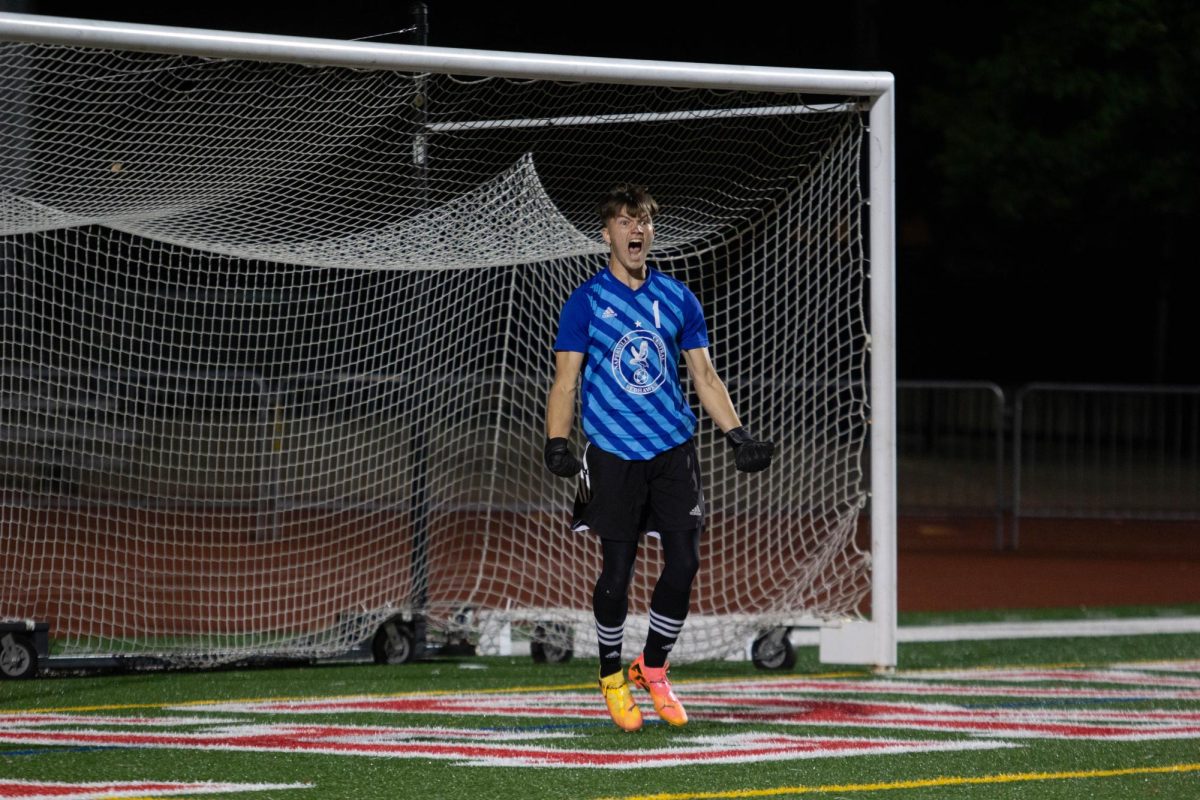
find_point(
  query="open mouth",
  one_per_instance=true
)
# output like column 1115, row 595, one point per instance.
column 635, row 248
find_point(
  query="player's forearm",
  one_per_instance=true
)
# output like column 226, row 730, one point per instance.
column 560, row 411
column 715, row 400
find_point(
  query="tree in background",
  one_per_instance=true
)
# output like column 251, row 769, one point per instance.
column 1070, row 146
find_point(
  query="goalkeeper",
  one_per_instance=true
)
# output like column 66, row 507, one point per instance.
column 624, row 330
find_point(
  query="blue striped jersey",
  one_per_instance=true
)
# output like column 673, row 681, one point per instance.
column 633, row 403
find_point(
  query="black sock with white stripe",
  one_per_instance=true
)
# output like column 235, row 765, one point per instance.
column 610, row 639
column 668, row 610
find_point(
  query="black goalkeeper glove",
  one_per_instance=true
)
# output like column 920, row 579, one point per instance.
column 559, row 459
column 749, row 454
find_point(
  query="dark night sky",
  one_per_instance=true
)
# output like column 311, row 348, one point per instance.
column 1011, row 303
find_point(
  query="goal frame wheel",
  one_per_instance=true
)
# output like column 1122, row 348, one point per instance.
column 394, row 642
column 18, row 657
column 544, row 647
column 773, row 650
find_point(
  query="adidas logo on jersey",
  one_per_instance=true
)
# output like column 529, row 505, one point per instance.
column 696, row 512
column 608, row 313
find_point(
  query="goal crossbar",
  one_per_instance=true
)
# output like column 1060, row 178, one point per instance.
column 621, row 119
column 444, row 60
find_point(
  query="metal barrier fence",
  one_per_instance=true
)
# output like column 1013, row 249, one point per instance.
column 1106, row 451
column 1055, row 450
column 1076, row 451
column 950, row 449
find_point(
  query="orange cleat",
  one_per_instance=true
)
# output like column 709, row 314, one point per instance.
column 619, row 699
column 669, row 709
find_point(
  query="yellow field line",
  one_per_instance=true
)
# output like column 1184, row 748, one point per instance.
column 923, row 783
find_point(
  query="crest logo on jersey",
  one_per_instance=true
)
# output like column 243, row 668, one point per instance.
column 639, row 362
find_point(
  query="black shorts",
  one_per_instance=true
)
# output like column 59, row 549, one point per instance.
column 619, row 499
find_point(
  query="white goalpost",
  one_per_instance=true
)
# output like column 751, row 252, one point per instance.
column 278, row 317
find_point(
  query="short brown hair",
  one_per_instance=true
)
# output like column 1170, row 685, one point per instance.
column 626, row 197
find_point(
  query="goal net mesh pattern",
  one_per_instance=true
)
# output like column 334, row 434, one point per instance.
column 277, row 340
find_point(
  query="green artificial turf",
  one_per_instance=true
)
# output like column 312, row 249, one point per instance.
column 1043, row 768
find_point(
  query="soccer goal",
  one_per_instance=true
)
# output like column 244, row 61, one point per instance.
column 278, row 317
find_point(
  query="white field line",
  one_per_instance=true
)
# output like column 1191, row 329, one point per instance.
column 1049, row 629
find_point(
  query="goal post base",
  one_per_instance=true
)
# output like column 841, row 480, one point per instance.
column 858, row 642
column 838, row 641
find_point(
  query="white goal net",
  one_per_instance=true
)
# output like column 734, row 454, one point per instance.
column 277, row 340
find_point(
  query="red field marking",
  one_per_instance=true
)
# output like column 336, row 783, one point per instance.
column 792, row 710
column 486, row 748
column 758, row 705
column 810, row 702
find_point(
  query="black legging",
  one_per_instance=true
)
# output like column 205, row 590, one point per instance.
column 681, row 562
